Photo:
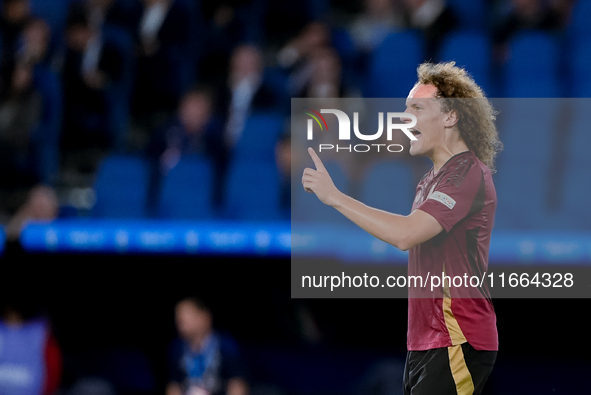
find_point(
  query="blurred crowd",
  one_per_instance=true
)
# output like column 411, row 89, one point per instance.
column 200, row 360
column 163, row 79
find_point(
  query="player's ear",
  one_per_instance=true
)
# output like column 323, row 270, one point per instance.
column 451, row 118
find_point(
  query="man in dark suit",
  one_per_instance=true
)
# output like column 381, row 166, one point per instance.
column 91, row 64
column 246, row 92
column 165, row 66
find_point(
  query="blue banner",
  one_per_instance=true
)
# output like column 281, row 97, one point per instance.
column 351, row 245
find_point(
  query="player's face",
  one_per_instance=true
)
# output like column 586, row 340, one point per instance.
column 429, row 130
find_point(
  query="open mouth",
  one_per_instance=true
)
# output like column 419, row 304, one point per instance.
column 415, row 132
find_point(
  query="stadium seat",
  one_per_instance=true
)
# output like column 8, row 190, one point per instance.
column 252, row 192
column 187, row 190
column 388, row 185
column 527, row 129
column 393, row 65
column 121, row 188
column 579, row 27
column 470, row 14
column 471, row 50
column 306, row 207
column 579, row 60
column 575, row 210
column 259, row 137
column 533, row 67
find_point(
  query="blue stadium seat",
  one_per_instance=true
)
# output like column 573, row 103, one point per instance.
column 187, row 190
column 471, row 50
column 252, row 192
column 527, row 129
column 575, row 210
column 579, row 61
column 533, row 67
column 259, row 137
column 393, row 65
column 121, row 188
column 306, row 207
column 388, row 185
column 579, row 27
column 470, row 14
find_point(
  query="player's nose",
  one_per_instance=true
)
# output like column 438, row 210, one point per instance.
column 405, row 119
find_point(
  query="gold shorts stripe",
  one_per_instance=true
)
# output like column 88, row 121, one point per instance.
column 459, row 371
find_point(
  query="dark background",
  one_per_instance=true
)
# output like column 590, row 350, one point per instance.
column 106, row 309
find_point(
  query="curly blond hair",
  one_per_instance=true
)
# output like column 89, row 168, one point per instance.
column 476, row 117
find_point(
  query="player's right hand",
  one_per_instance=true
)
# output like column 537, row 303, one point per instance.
column 319, row 182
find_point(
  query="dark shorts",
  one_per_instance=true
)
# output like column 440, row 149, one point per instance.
column 457, row 370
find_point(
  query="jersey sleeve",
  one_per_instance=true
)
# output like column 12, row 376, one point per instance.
column 459, row 193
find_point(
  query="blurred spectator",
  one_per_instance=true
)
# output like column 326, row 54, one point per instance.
column 379, row 18
column 281, row 18
column 41, row 205
column 164, row 60
column 526, row 15
column 21, row 111
column 90, row 65
column 227, row 26
column 124, row 14
column 435, row 19
column 295, row 56
column 30, row 357
column 34, row 45
column 192, row 131
column 325, row 80
column 246, row 91
column 34, row 53
column 202, row 361
column 14, row 17
column 283, row 159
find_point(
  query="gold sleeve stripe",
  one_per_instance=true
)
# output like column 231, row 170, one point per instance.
column 459, row 371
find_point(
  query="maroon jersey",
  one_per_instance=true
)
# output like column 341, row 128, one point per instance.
column 462, row 198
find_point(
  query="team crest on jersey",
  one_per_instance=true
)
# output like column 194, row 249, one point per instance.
column 443, row 198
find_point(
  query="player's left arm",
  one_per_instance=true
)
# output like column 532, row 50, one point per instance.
column 403, row 232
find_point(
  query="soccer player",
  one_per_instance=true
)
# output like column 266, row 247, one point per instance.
column 452, row 341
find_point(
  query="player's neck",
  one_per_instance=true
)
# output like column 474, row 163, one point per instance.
column 442, row 155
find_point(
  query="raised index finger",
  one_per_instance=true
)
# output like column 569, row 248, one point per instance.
column 316, row 159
